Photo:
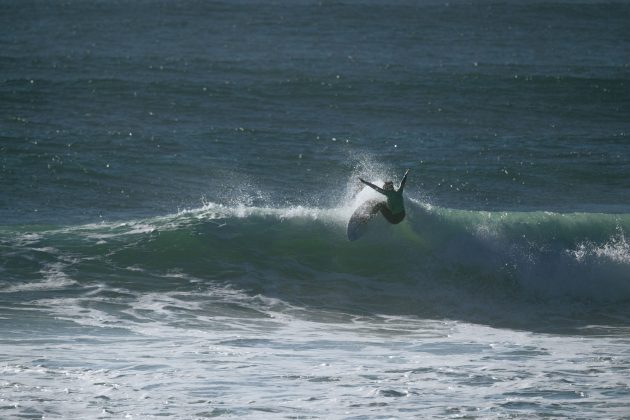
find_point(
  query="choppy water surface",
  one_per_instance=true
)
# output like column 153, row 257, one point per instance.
column 176, row 179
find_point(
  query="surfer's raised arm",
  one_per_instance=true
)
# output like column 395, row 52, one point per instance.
column 369, row 184
column 403, row 180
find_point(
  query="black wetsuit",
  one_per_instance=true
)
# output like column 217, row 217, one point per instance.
column 394, row 208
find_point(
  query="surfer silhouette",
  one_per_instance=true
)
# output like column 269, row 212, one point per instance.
column 394, row 208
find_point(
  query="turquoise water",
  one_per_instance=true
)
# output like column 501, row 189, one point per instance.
column 176, row 179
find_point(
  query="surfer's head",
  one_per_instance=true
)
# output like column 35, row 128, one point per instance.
column 388, row 186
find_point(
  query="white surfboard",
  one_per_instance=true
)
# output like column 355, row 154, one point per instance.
column 358, row 223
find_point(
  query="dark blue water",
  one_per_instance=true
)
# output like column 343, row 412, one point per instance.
column 176, row 178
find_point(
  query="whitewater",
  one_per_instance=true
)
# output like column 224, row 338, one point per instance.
column 176, row 179
column 246, row 311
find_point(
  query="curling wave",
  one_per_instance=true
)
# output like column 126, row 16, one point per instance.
column 302, row 253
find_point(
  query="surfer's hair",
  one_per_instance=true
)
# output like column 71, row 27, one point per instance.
column 389, row 185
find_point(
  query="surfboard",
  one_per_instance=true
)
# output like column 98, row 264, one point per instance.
column 358, row 223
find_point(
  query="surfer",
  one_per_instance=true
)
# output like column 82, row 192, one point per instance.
column 394, row 208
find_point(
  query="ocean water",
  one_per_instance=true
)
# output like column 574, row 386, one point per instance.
column 175, row 183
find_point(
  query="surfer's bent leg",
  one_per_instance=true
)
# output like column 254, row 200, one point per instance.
column 391, row 217
column 378, row 207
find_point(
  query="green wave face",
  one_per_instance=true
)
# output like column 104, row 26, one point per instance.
column 434, row 262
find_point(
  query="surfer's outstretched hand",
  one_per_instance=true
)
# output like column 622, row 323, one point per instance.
column 367, row 183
